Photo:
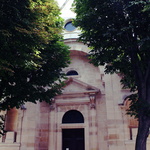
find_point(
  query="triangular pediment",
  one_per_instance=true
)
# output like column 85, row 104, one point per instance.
column 76, row 86
column 76, row 92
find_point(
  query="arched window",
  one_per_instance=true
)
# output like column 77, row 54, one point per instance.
column 73, row 116
column 72, row 73
column 69, row 26
column 11, row 120
column 132, row 122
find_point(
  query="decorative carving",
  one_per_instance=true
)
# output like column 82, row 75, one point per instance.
column 52, row 105
column 92, row 97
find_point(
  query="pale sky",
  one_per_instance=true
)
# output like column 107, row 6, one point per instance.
column 66, row 12
column 60, row 2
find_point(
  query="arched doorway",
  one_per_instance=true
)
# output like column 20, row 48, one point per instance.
column 73, row 138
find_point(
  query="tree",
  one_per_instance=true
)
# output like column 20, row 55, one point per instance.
column 32, row 52
column 118, row 33
column 2, row 122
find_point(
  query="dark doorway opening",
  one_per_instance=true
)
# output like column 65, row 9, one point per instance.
column 73, row 116
column 73, row 139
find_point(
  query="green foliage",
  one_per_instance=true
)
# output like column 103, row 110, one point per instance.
column 136, row 106
column 118, row 34
column 32, row 53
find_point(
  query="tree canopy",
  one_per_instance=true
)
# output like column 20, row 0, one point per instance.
column 32, row 52
column 118, row 33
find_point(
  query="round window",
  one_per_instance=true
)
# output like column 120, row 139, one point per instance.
column 69, row 26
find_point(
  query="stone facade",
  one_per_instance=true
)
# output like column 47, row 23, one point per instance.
column 90, row 114
column 98, row 97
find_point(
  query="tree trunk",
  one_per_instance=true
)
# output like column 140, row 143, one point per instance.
column 143, row 110
column 143, row 132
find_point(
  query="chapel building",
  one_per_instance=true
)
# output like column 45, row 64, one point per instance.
column 90, row 114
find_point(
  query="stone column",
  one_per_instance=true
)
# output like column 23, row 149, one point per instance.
column 20, row 123
column 52, row 127
column 93, row 124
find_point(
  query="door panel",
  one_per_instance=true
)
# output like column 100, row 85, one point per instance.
column 73, row 139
